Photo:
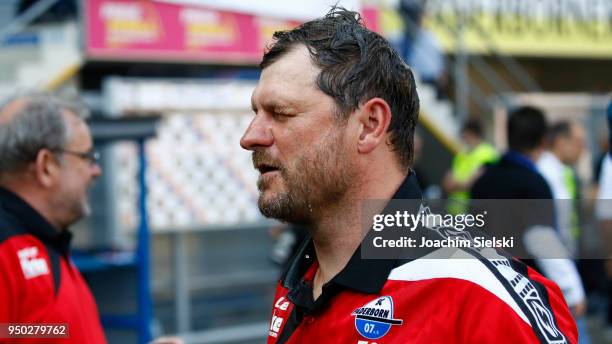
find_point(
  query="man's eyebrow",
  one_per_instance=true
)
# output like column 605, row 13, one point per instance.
column 277, row 106
column 273, row 105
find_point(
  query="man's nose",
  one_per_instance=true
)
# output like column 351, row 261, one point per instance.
column 257, row 135
column 96, row 170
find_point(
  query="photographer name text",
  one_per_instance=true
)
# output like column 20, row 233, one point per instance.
column 423, row 242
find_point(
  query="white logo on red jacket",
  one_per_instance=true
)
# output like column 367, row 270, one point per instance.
column 275, row 325
column 281, row 307
column 282, row 304
column 31, row 264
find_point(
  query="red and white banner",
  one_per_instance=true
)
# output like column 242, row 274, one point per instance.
column 283, row 9
column 144, row 30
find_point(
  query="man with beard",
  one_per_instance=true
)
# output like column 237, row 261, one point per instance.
column 335, row 111
column 47, row 163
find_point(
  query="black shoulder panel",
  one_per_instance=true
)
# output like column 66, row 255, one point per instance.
column 9, row 226
column 56, row 267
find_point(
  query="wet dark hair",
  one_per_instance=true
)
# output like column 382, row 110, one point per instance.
column 526, row 128
column 356, row 65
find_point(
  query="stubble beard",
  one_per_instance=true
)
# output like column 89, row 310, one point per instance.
column 71, row 206
column 317, row 180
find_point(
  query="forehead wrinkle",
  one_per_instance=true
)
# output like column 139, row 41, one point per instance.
column 290, row 84
column 271, row 98
column 293, row 71
column 285, row 94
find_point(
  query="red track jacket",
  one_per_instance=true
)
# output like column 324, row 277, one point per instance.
column 39, row 284
column 469, row 299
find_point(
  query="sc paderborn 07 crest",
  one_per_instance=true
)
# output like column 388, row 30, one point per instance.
column 374, row 319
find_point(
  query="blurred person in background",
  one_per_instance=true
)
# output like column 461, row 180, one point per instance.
column 411, row 12
column 566, row 142
column 430, row 190
column 335, row 112
column 604, row 148
column 47, row 164
column 467, row 166
column 516, row 177
column 604, row 214
column 422, row 50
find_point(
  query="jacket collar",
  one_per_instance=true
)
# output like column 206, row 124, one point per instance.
column 25, row 218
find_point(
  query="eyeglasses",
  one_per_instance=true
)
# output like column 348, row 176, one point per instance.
column 92, row 156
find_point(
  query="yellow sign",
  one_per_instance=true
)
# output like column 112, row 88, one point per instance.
column 571, row 28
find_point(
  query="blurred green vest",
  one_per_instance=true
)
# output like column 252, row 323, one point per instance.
column 464, row 165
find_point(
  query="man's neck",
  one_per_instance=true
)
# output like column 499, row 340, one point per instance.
column 32, row 197
column 336, row 237
column 338, row 232
column 531, row 155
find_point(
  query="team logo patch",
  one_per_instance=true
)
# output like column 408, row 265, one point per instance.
column 374, row 319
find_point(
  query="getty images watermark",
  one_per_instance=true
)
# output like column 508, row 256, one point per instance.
column 408, row 229
column 523, row 228
column 451, row 224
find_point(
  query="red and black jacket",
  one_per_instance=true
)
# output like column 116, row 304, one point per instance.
column 39, row 284
column 424, row 300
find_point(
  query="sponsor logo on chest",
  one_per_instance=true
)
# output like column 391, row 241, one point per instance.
column 31, row 264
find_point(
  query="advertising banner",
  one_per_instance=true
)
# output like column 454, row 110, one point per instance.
column 159, row 31
column 555, row 28
column 146, row 30
column 284, row 9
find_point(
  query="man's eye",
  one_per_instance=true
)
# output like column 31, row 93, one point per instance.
column 280, row 115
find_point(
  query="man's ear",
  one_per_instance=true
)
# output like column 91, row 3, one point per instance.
column 374, row 117
column 46, row 168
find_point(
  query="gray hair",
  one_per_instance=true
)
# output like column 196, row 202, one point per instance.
column 38, row 124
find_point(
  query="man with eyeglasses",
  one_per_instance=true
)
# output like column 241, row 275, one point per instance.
column 47, row 164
